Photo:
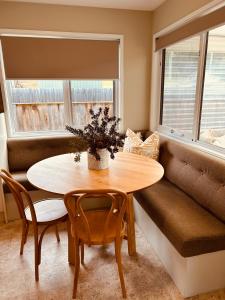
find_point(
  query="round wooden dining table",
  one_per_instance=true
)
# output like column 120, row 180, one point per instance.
column 127, row 172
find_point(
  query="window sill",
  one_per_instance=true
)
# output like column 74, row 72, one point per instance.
column 28, row 135
column 202, row 146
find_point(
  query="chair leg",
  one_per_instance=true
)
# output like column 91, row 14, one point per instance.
column 40, row 241
column 82, row 253
column 24, row 237
column 27, row 230
column 57, row 233
column 77, row 267
column 119, row 264
column 36, row 255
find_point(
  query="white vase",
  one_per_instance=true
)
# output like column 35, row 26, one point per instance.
column 101, row 164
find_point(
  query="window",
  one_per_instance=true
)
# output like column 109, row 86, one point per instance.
column 48, row 105
column 213, row 102
column 179, row 90
column 36, row 105
column 90, row 94
column 47, row 89
column 193, row 88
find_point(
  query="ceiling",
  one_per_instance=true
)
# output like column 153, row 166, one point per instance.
column 119, row 4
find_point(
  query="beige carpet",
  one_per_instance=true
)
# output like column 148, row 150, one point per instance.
column 145, row 276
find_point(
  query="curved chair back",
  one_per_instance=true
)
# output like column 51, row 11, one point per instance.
column 20, row 195
column 116, row 210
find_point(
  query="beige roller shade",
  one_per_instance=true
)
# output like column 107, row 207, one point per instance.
column 1, row 102
column 51, row 58
column 196, row 26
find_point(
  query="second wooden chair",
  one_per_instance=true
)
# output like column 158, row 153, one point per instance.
column 97, row 227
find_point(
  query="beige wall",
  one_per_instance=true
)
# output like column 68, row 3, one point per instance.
column 173, row 10
column 134, row 25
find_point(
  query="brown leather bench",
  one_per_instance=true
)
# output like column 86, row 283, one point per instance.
column 24, row 152
column 188, row 204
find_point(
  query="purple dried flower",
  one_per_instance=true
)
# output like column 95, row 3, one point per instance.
column 99, row 134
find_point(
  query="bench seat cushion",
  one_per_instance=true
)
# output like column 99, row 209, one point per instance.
column 21, row 177
column 189, row 227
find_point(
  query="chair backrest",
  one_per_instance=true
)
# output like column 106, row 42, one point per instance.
column 20, row 194
column 73, row 202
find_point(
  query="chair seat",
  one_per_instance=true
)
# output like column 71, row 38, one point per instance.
column 47, row 210
column 96, row 220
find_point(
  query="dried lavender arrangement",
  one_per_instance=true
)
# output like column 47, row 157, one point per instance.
column 100, row 133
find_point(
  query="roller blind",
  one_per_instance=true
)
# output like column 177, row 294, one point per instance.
column 1, row 102
column 196, row 26
column 53, row 58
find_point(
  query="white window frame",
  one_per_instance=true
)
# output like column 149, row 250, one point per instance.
column 156, row 86
column 119, row 88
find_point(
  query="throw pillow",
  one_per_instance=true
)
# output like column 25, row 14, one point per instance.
column 134, row 144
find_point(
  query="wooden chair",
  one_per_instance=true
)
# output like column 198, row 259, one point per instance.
column 96, row 227
column 47, row 212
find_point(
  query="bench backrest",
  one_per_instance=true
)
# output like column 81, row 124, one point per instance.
column 200, row 175
column 23, row 153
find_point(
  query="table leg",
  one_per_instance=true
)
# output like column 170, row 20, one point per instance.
column 130, row 226
column 71, row 248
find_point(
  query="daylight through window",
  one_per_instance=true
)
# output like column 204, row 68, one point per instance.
column 48, row 105
column 183, row 111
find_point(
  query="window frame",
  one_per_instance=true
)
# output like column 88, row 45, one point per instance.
column 118, row 94
column 194, row 135
column 157, row 89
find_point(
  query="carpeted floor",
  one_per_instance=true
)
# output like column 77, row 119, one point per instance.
column 145, row 276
